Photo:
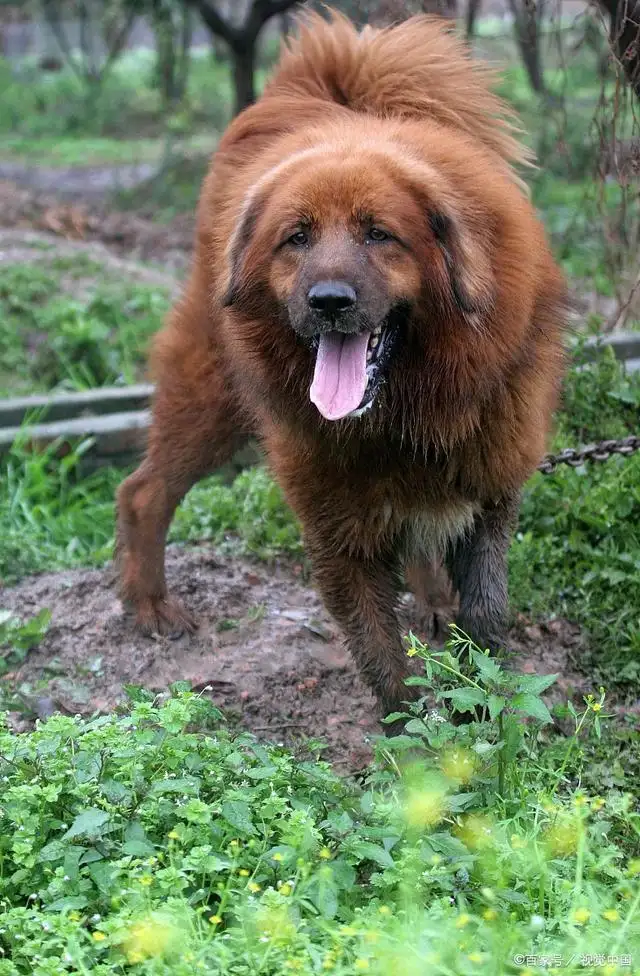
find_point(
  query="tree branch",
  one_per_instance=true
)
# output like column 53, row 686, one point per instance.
column 215, row 22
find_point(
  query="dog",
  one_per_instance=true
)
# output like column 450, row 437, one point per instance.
column 373, row 297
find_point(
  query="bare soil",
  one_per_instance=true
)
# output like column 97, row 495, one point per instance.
column 266, row 652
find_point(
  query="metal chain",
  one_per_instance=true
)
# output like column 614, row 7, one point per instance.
column 601, row 451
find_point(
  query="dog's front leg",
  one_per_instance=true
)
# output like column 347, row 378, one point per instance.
column 360, row 593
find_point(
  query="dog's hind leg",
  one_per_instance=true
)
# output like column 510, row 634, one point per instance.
column 196, row 427
column 477, row 563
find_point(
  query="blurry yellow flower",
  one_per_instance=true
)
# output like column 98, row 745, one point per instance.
column 424, row 807
column 633, row 867
column 151, row 937
column 74, row 916
column 361, row 965
column 462, row 920
column 596, row 707
column 274, row 922
column 146, row 880
column 384, row 910
column 518, row 843
column 489, row 914
column 99, row 936
column 325, row 853
column 562, row 838
column 611, row 915
column 215, row 919
column 173, row 835
column 581, row 916
column 580, row 800
column 475, row 957
column 253, row 887
column 347, row 930
column 597, row 803
column 244, row 873
column 285, row 889
column 476, row 832
column 234, row 843
column 277, row 856
column 458, row 764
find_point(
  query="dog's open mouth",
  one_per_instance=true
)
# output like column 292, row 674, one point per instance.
column 348, row 371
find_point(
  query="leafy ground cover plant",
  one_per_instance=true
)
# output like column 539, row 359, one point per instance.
column 159, row 842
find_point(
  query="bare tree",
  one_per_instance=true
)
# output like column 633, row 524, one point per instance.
column 624, row 36
column 242, row 39
column 103, row 29
column 172, row 25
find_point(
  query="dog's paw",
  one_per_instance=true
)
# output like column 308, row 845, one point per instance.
column 164, row 616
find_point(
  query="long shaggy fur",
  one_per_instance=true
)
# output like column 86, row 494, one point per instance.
column 402, row 121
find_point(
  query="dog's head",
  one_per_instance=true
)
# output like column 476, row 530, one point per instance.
column 348, row 246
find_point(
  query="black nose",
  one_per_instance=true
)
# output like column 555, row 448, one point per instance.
column 331, row 297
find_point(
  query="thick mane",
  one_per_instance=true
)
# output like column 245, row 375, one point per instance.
column 418, row 69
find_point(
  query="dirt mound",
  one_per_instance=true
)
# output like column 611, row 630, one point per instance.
column 267, row 650
column 125, row 233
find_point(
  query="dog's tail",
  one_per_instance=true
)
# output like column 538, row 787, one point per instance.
column 414, row 70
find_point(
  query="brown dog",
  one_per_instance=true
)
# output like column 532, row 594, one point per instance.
column 372, row 296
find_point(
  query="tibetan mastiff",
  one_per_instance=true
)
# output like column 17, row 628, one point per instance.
column 371, row 296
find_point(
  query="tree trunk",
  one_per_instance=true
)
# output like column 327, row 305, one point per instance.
column 473, row 9
column 244, row 60
column 526, row 24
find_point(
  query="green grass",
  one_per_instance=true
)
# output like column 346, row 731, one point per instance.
column 158, row 842
column 50, row 340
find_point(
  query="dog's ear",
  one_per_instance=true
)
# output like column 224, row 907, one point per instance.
column 238, row 246
column 467, row 262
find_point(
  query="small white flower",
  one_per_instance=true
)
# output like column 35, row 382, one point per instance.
column 66, row 878
column 96, row 918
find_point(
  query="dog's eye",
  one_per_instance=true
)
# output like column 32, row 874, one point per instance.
column 299, row 239
column 376, row 234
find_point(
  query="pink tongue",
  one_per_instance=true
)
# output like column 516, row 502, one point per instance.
column 340, row 377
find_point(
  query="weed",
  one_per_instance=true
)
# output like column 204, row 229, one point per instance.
column 160, row 843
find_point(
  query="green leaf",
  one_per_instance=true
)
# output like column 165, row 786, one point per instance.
column 189, row 785
column 87, row 824
column 489, row 670
column 373, row 852
column 496, row 703
column 465, row 699
column 530, row 705
column 324, row 893
column 535, row 684
column 238, row 814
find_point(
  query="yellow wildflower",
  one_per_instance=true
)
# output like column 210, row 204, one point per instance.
column 99, row 936
column 462, row 920
column 424, row 808
column 325, row 853
column 581, row 916
column 459, row 765
column 384, row 910
column 361, row 965
column 146, row 880
column 489, row 914
column 253, row 887
column 611, row 915
column 277, row 856
column 215, row 919
column 244, row 873
column 150, row 937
